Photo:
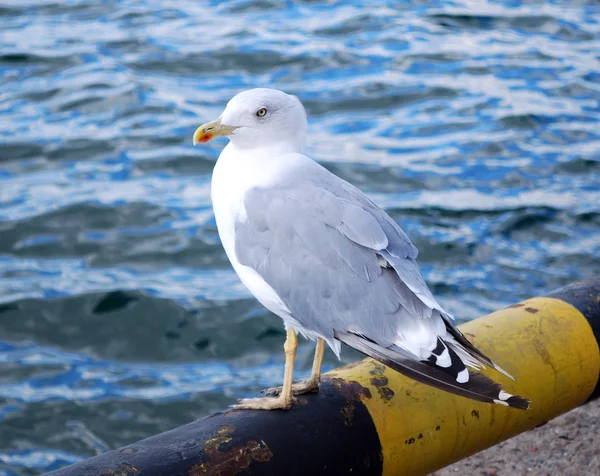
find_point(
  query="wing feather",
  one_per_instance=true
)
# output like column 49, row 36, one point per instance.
column 344, row 269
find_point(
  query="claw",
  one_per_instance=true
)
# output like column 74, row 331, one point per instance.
column 265, row 403
column 299, row 388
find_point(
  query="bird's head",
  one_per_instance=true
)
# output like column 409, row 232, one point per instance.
column 258, row 116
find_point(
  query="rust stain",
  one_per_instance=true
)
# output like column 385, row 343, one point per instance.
column 378, row 370
column 122, row 469
column 261, row 453
column 385, row 392
column 532, row 310
column 230, row 461
column 379, row 381
column 198, row 469
column 352, row 391
column 223, row 436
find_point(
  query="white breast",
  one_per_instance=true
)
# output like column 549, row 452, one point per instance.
column 234, row 174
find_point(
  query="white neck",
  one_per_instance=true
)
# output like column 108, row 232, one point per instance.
column 257, row 165
column 235, row 173
column 247, row 145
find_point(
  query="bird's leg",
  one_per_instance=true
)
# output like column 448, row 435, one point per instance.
column 285, row 399
column 310, row 385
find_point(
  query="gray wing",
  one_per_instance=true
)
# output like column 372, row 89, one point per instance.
column 347, row 272
column 336, row 260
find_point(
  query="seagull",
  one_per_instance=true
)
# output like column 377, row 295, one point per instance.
column 317, row 252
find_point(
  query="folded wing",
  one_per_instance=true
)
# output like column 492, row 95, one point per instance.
column 347, row 272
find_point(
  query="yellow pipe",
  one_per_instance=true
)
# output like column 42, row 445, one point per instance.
column 546, row 343
column 369, row 420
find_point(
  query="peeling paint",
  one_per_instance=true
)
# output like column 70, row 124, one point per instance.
column 237, row 447
column 386, row 393
column 380, row 383
column 378, row 370
column 122, row 469
column 230, row 461
column 222, row 436
column 352, row 391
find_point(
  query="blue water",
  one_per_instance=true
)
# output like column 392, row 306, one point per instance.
column 476, row 124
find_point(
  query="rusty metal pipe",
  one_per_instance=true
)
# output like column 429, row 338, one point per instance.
column 367, row 419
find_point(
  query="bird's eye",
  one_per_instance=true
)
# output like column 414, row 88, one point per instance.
column 262, row 112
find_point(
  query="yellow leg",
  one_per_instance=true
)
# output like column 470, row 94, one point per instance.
column 315, row 374
column 285, row 399
column 310, row 385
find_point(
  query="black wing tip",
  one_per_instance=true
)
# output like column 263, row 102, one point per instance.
column 489, row 387
column 479, row 387
column 516, row 401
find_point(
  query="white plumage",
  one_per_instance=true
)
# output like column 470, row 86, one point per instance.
column 316, row 251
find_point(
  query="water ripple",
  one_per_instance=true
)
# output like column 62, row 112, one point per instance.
column 476, row 124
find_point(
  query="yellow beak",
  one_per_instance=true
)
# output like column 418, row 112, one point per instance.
column 212, row 129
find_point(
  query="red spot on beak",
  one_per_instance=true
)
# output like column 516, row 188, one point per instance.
column 205, row 137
